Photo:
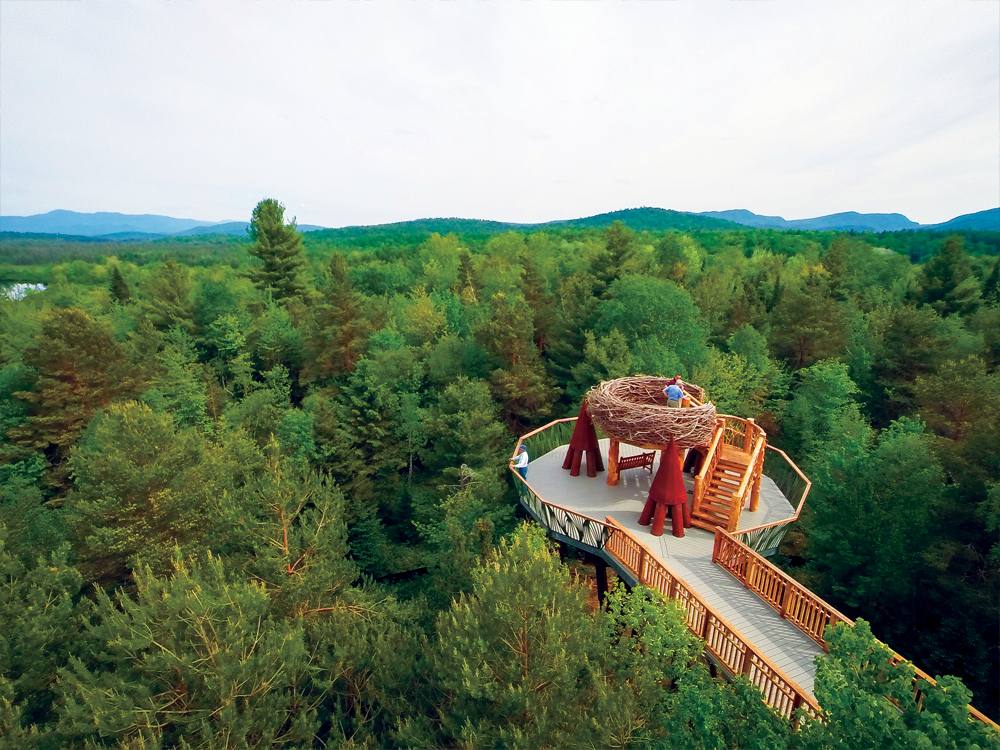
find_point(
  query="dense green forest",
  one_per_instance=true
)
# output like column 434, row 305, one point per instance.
column 254, row 491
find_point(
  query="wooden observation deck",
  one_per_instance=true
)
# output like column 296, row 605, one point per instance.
column 755, row 620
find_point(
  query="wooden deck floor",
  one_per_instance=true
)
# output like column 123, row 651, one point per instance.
column 690, row 557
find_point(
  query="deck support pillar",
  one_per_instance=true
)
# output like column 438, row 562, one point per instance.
column 601, row 570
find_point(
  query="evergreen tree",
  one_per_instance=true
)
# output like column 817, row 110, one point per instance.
column 868, row 702
column 42, row 630
column 517, row 659
column 464, row 428
column 338, row 333
column 279, row 247
column 80, row 368
column 948, row 284
column 118, row 289
column 168, row 297
column 143, row 487
column 197, row 658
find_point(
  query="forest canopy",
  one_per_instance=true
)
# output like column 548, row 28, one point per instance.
column 257, row 488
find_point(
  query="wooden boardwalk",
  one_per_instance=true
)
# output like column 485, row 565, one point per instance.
column 690, row 558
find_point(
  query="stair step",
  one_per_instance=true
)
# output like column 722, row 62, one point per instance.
column 734, row 481
column 724, row 491
column 706, row 525
column 731, row 477
column 728, row 477
column 715, row 507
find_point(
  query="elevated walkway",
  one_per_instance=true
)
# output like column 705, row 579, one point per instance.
column 755, row 620
column 690, row 557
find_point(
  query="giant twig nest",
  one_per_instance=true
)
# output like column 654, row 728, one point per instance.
column 635, row 411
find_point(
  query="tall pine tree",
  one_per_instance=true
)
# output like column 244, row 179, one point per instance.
column 279, row 247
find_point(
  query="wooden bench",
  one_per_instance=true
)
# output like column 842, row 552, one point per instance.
column 644, row 460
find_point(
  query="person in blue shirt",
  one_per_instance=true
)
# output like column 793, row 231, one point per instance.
column 674, row 392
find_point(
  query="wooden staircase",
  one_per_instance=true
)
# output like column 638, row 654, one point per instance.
column 717, row 505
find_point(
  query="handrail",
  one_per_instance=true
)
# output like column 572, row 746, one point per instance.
column 536, row 431
column 708, row 466
column 723, row 641
column 808, row 612
column 794, row 602
column 756, row 530
column 802, row 500
column 739, row 496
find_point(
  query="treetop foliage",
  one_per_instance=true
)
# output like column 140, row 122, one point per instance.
column 255, row 491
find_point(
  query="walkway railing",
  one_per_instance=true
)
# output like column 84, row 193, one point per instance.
column 722, row 641
column 793, row 485
column 797, row 604
column 794, row 602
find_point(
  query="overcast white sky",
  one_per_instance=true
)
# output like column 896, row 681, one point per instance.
column 371, row 111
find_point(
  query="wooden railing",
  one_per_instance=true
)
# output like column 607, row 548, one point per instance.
column 750, row 477
column 746, row 436
column 796, row 603
column 704, row 476
column 722, row 641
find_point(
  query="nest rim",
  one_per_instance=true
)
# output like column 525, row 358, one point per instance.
column 634, row 410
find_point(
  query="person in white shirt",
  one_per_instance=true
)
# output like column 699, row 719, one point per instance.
column 521, row 461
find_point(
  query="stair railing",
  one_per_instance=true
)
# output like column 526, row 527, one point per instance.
column 704, row 476
column 749, row 477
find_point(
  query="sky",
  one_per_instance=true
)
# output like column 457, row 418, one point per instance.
column 355, row 112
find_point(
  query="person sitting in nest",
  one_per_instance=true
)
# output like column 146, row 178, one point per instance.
column 674, row 391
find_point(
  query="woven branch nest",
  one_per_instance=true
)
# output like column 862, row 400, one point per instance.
column 635, row 411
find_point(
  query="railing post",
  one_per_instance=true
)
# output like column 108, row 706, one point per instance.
column 749, row 572
column 748, row 436
column 716, row 545
column 642, row 565
column 745, row 663
column 786, row 596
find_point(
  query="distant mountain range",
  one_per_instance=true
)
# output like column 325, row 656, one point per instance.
column 115, row 226
column 853, row 221
column 121, row 226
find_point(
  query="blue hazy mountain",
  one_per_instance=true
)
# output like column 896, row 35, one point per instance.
column 853, row 221
column 116, row 226
column 98, row 224
column 981, row 220
column 236, row 227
